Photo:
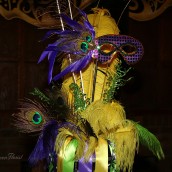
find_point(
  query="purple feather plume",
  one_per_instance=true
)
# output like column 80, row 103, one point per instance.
column 69, row 42
column 72, row 23
column 74, row 67
column 46, row 141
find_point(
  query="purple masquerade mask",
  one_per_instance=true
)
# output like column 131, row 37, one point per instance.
column 80, row 42
column 130, row 48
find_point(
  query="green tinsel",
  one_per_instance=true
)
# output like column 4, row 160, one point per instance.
column 80, row 102
column 115, row 82
column 42, row 96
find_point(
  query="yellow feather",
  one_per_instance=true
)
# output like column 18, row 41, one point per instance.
column 92, row 144
column 126, row 143
column 102, row 22
column 65, row 133
column 103, row 116
column 61, row 138
column 108, row 121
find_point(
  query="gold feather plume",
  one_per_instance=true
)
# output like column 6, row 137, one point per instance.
column 109, row 122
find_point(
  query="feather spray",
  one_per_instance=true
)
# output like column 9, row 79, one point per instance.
column 75, row 133
column 55, row 102
column 77, row 41
column 149, row 140
column 117, row 129
column 99, row 20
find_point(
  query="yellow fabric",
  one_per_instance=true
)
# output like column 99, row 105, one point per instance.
column 87, row 75
column 101, row 151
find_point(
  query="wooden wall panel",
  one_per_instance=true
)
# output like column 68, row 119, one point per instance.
column 33, row 43
column 139, row 94
column 151, row 103
column 154, row 70
column 18, row 76
column 8, row 40
column 8, row 85
column 36, row 76
column 164, row 92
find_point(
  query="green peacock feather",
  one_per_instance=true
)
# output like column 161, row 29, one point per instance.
column 54, row 101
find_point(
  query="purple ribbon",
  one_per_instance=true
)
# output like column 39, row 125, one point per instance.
column 86, row 166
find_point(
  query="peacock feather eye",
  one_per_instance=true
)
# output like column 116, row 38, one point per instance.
column 84, row 46
column 37, row 118
column 88, row 38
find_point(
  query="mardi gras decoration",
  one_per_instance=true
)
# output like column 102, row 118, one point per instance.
column 81, row 43
column 82, row 126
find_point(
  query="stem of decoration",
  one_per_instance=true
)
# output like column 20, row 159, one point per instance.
column 94, row 79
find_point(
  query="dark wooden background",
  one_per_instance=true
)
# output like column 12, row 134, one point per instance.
column 147, row 99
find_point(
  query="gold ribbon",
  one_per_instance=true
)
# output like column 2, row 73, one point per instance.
column 101, row 151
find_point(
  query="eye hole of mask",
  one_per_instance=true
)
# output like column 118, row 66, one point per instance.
column 107, row 48
column 128, row 49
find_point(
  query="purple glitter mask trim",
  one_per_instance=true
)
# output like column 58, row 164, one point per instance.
column 130, row 48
